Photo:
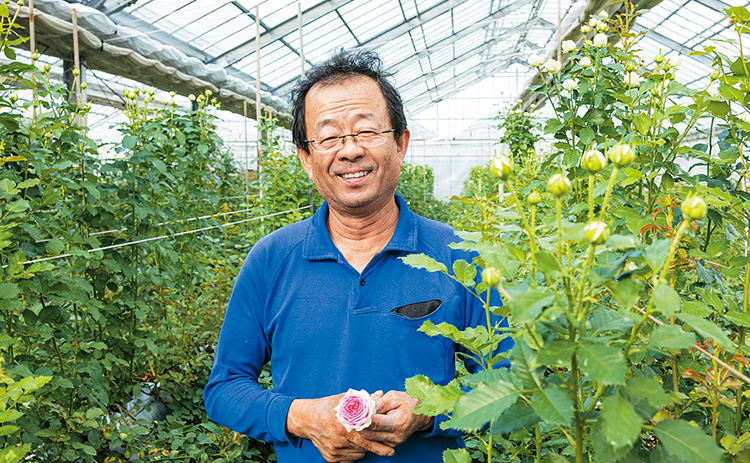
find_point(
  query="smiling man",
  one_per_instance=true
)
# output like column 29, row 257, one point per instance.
column 327, row 300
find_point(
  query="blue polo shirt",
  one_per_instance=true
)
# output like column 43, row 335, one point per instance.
column 326, row 328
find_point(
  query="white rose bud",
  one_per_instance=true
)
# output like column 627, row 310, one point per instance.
column 501, row 167
column 593, row 22
column 600, row 40
column 570, row 85
column 622, row 155
column 585, row 29
column 674, row 59
column 694, row 208
column 744, row 117
column 632, row 78
column 603, row 14
column 585, row 61
column 535, row 60
column 596, row 232
column 593, row 161
column 559, row 185
column 568, row 46
column 552, row 66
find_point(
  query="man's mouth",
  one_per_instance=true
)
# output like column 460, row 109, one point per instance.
column 361, row 173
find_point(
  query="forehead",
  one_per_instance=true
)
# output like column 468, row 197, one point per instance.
column 345, row 101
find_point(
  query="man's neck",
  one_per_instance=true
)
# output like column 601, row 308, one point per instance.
column 360, row 238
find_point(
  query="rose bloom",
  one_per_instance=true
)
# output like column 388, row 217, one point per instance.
column 355, row 410
column 745, row 117
column 632, row 78
column 600, row 40
column 585, row 61
column 568, row 46
column 552, row 66
column 674, row 59
column 570, row 85
column 535, row 60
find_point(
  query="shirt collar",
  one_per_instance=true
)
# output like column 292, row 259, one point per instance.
column 319, row 245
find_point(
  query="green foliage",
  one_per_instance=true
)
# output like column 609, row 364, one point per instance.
column 608, row 287
column 417, row 186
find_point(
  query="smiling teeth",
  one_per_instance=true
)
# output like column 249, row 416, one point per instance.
column 355, row 175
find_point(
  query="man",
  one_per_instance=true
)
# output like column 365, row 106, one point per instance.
column 328, row 302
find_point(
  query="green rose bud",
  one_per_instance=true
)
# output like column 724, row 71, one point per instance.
column 596, row 232
column 501, row 167
column 534, row 198
column 593, row 161
column 659, row 58
column 622, row 155
column 630, row 66
column 714, row 75
column 559, row 185
column 694, row 208
column 491, row 276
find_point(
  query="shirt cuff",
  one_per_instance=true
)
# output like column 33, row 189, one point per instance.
column 276, row 414
column 437, row 431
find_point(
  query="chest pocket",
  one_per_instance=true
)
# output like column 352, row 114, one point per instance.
column 417, row 309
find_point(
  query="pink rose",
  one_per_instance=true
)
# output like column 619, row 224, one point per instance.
column 355, row 410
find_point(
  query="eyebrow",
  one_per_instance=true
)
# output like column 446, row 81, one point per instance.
column 358, row 117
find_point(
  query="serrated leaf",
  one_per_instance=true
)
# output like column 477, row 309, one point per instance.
column 642, row 123
column 549, row 265
column 440, row 399
column 424, row 262
column 671, row 337
column 8, row 290
column 514, row 418
column 687, row 442
column 526, row 306
column 465, row 272
column 8, row 430
column 656, row 254
column 602, row 363
column 621, row 425
column 557, row 353
column 707, row 329
column 524, row 364
column 554, row 405
column 482, row 405
column 666, row 299
column 54, row 246
column 456, row 456
column 646, row 389
column 552, row 457
column 418, row 386
column 14, row 454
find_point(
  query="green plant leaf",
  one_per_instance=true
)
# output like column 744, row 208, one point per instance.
column 524, row 364
column 642, row 123
column 549, row 265
column 671, row 337
column 456, row 456
column 514, row 418
column 425, row 262
column 707, row 329
column 645, row 389
column 526, row 306
column 656, row 254
column 418, row 386
column 552, row 457
column 687, row 442
column 554, row 405
column 440, row 399
column 621, row 425
column 465, row 272
column 666, row 299
column 14, row 454
column 602, row 363
column 482, row 405
column 556, row 353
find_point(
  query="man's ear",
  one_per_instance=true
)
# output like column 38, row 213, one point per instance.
column 304, row 158
column 402, row 145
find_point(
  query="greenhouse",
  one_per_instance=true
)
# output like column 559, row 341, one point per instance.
column 390, row 230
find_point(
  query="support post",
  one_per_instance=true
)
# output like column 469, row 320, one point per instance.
column 310, row 200
column 32, row 32
column 257, row 96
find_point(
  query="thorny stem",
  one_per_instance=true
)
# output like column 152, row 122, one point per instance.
column 602, row 213
column 529, row 229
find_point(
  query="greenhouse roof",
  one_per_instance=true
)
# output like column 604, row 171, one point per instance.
column 438, row 49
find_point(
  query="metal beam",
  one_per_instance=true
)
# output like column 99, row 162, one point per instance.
column 280, row 31
column 114, row 6
column 674, row 45
column 415, row 23
column 716, row 5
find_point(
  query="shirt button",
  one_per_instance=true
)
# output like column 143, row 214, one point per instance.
column 361, row 282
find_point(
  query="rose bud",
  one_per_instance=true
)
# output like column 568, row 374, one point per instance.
column 559, row 185
column 355, row 410
column 568, row 46
column 534, row 198
column 491, row 276
column 585, row 61
column 694, row 208
column 596, row 232
column 658, row 59
column 570, row 85
column 622, row 155
column 552, row 66
column 585, row 29
column 593, row 161
column 600, row 40
column 714, row 75
column 501, row 167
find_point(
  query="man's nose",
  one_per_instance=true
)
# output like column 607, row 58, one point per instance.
column 350, row 149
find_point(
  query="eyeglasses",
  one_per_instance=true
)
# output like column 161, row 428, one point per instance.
column 363, row 139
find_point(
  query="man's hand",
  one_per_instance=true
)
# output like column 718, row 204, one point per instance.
column 395, row 421
column 315, row 419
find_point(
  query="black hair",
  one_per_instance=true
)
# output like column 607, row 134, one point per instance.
column 341, row 66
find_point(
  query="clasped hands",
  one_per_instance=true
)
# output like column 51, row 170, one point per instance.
column 393, row 423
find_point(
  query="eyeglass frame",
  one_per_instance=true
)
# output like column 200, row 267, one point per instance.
column 343, row 137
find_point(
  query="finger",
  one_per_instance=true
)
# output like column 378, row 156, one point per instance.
column 387, row 438
column 376, row 395
column 375, row 447
column 383, row 423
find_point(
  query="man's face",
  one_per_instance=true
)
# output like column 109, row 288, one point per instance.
column 354, row 180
